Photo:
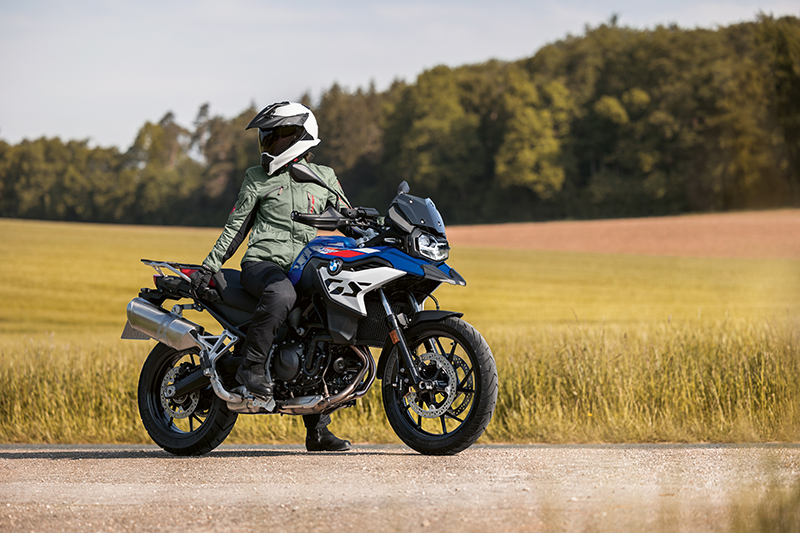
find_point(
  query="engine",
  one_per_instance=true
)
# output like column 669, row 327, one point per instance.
column 305, row 368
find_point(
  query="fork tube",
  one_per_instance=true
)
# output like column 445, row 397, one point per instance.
column 396, row 334
column 429, row 344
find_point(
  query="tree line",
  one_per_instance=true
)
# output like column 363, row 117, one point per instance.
column 615, row 122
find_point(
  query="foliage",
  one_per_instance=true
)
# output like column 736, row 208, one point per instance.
column 616, row 122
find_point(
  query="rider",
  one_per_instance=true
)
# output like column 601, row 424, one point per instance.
column 286, row 133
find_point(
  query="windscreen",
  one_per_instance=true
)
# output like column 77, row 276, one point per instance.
column 420, row 212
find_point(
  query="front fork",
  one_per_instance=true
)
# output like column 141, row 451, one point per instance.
column 399, row 340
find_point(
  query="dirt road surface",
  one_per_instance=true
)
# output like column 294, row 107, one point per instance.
column 388, row 488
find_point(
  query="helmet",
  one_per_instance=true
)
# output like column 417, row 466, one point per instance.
column 286, row 132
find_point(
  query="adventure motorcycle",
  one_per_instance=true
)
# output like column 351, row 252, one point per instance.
column 439, row 379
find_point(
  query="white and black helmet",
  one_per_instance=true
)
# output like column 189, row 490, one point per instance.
column 286, row 132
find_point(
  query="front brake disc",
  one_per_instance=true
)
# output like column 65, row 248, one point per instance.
column 430, row 410
column 468, row 383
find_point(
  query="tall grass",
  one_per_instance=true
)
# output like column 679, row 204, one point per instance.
column 66, row 393
column 724, row 382
column 589, row 347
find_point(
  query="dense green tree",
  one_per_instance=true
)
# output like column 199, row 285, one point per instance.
column 781, row 39
column 352, row 139
column 438, row 150
column 349, row 126
column 49, row 179
column 530, row 154
column 163, row 171
column 615, row 122
column 227, row 150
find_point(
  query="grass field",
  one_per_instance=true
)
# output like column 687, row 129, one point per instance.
column 590, row 347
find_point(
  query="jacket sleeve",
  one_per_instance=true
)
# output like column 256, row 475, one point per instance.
column 239, row 224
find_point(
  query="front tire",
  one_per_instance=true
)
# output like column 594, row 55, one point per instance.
column 450, row 418
column 193, row 424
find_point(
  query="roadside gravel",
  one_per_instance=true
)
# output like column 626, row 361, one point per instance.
column 388, row 488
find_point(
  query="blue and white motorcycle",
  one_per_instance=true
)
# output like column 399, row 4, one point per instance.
column 439, row 379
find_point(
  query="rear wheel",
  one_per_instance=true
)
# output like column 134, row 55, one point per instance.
column 193, row 424
column 458, row 364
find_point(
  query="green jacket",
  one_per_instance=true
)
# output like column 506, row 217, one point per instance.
column 264, row 206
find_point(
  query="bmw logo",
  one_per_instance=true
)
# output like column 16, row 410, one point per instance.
column 335, row 266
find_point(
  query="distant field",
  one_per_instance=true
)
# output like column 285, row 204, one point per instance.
column 69, row 279
column 597, row 338
column 758, row 234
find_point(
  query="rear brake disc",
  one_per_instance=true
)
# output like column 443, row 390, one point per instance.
column 182, row 407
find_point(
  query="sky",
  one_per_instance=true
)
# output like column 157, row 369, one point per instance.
column 100, row 69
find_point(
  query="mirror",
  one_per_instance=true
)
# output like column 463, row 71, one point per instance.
column 403, row 188
column 303, row 174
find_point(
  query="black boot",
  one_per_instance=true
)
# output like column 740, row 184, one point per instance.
column 254, row 378
column 322, row 440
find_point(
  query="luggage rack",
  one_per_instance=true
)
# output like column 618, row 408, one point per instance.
column 172, row 267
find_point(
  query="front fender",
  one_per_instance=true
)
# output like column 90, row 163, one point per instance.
column 419, row 318
column 432, row 315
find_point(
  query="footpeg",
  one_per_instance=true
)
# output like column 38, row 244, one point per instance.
column 268, row 404
column 252, row 404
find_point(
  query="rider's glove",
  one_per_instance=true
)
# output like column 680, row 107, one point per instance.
column 200, row 279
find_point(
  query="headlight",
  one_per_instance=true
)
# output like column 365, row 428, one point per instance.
column 432, row 248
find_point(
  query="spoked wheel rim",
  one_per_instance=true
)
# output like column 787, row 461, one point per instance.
column 179, row 416
column 448, row 364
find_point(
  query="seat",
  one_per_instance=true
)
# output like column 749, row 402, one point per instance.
column 228, row 283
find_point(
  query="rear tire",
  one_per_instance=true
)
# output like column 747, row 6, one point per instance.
column 449, row 419
column 193, row 424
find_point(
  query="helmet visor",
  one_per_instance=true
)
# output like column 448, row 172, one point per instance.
column 276, row 140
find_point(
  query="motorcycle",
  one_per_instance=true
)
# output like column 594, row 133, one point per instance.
column 438, row 375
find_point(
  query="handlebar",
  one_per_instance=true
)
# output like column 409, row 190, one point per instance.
column 360, row 212
column 332, row 219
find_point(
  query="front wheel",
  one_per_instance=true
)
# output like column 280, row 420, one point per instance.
column 456, row 362
column 193, row 424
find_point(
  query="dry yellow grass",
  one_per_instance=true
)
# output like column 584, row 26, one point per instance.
column 590, row 347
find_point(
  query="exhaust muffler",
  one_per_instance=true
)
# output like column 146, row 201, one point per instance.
column 167, row 328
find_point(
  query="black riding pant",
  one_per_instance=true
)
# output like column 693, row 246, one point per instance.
column 268, row 282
